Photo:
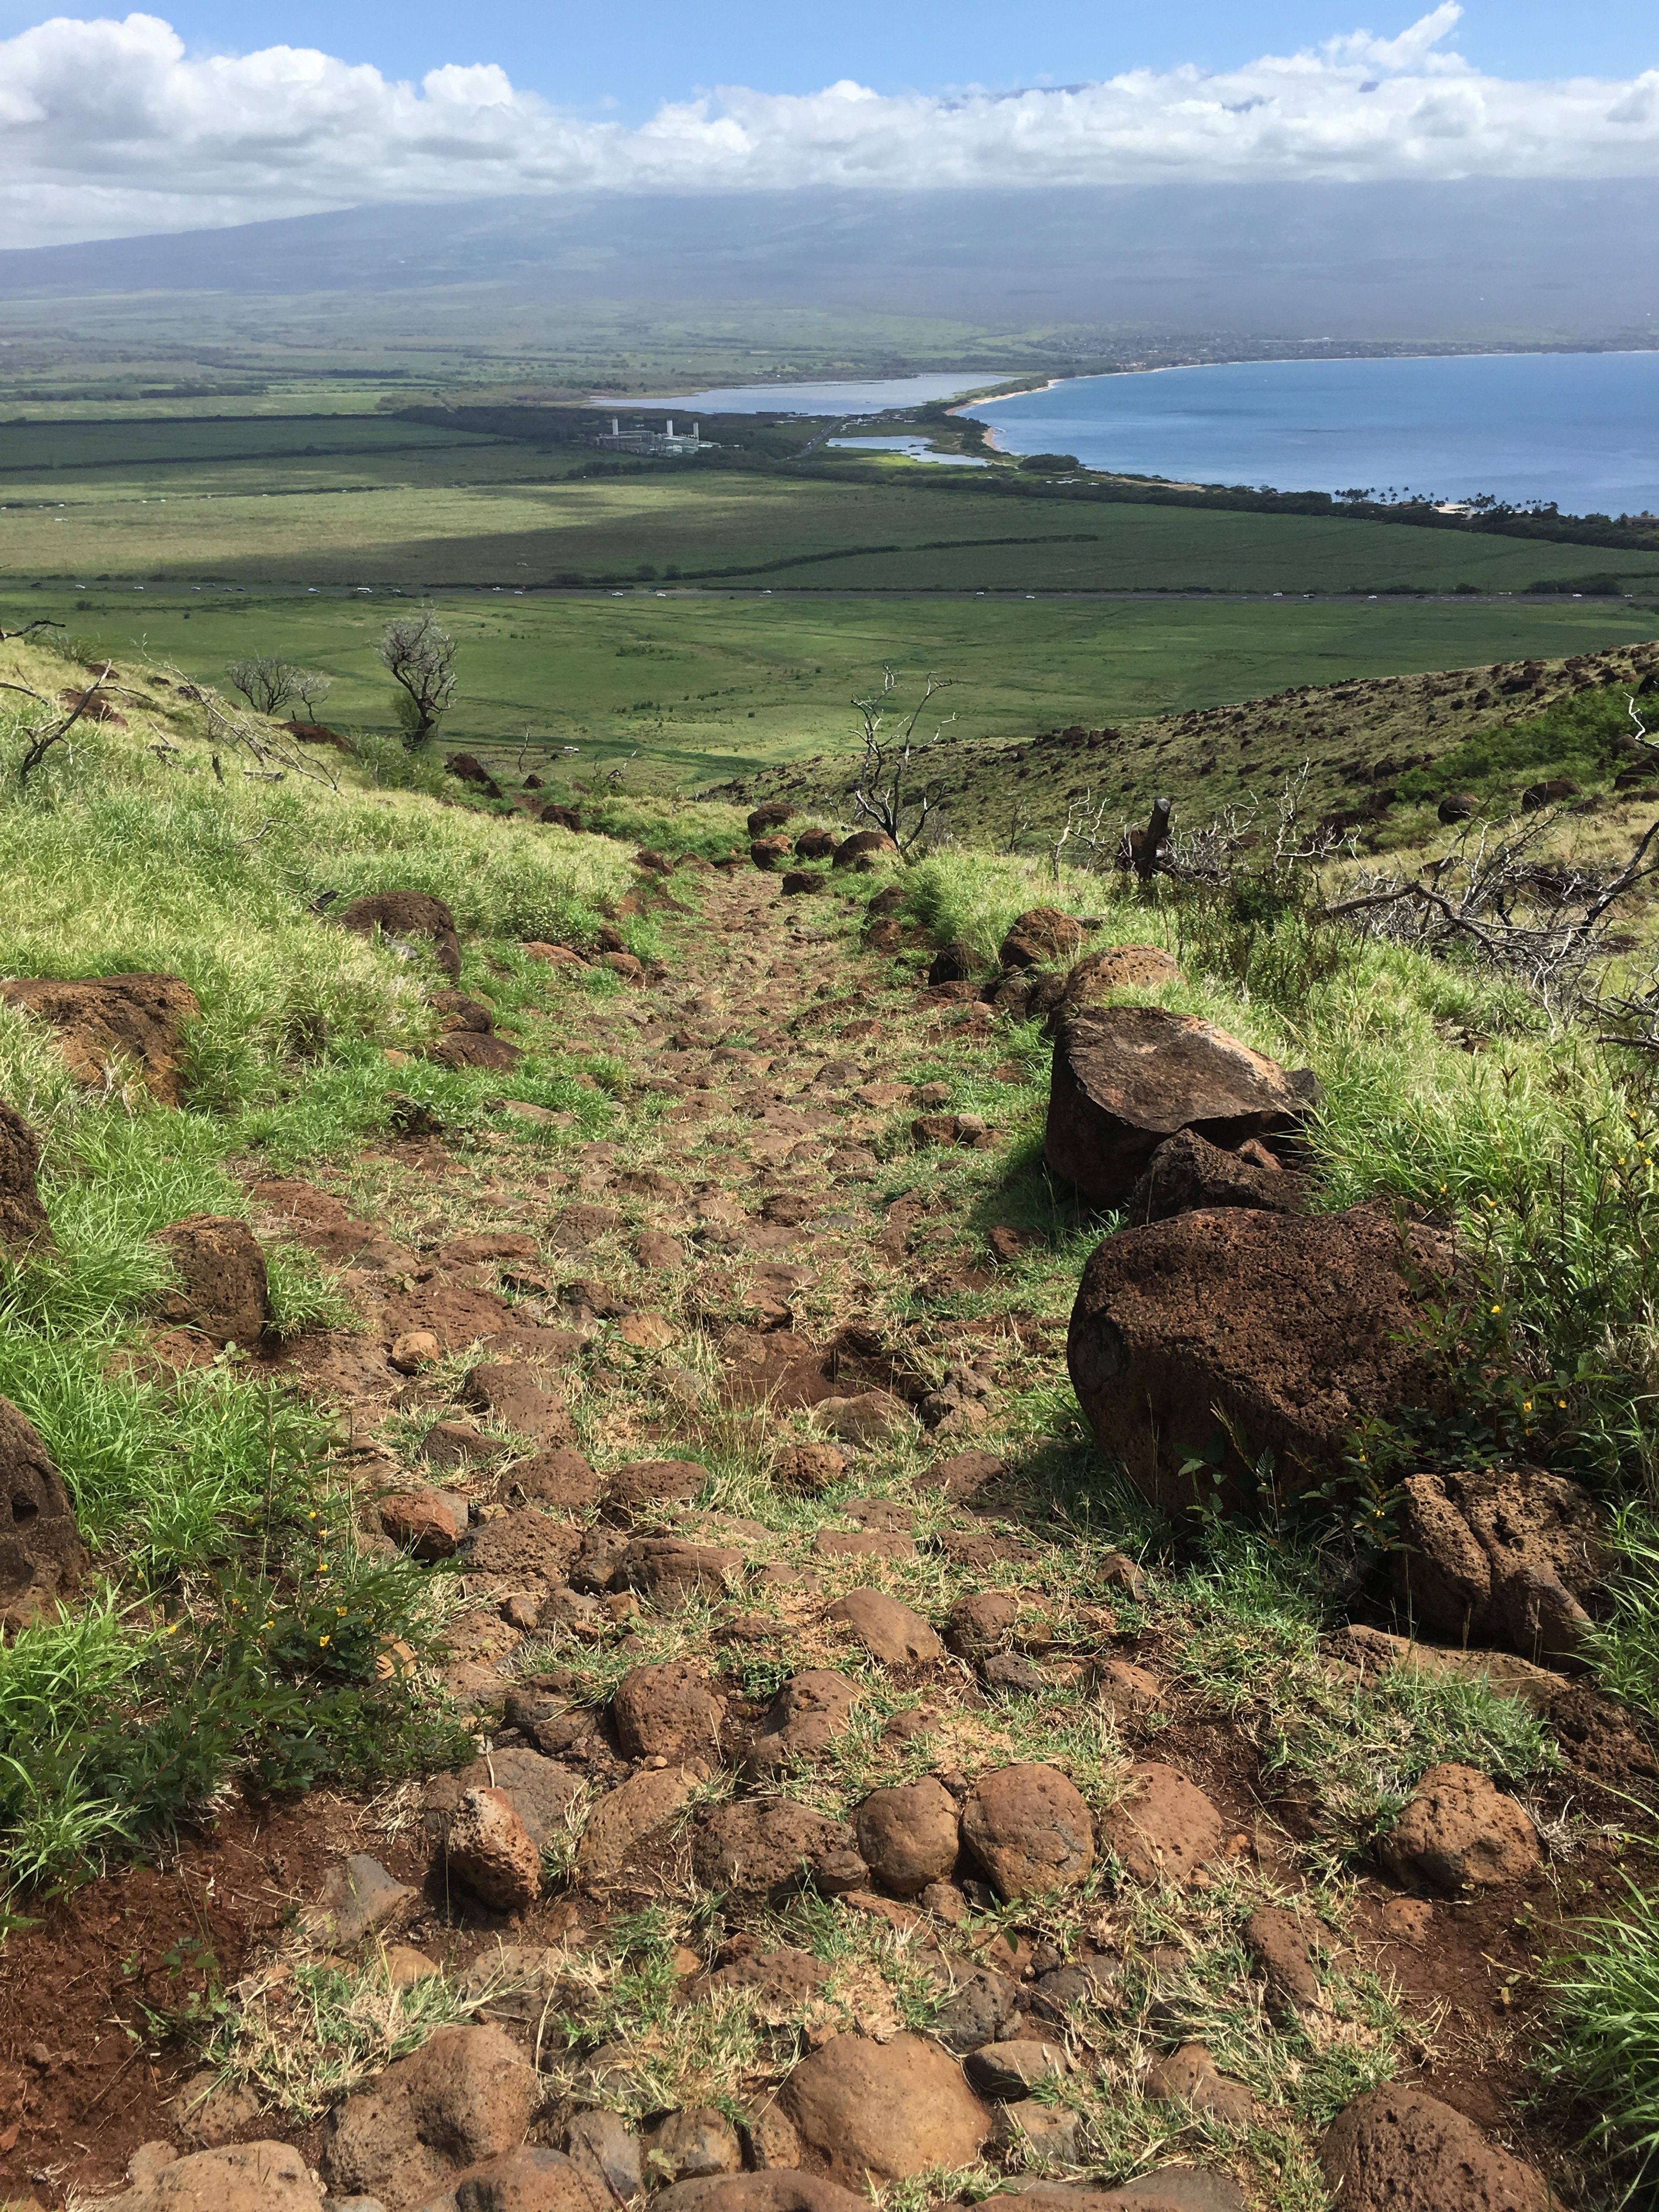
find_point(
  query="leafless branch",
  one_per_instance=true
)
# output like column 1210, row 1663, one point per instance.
column 884, row 794
column 54, row 731
column 40, row 622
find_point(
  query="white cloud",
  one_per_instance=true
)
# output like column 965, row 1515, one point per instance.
column 108, row 129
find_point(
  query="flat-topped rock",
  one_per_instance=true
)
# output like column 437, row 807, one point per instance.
column 1125, row 1078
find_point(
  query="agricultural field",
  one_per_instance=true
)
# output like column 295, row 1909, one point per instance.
column 689, row 691
column 317, row 500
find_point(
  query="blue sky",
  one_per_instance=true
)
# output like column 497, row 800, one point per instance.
column 638, row 54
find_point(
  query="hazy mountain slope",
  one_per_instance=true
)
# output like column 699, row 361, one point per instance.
column 1458, row 263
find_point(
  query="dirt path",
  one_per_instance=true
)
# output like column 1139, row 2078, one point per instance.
column 676, row 1392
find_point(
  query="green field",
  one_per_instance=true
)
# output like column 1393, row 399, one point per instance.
column 698, row 688
column 321, row 500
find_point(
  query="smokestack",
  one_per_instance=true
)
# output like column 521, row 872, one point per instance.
column 669, row 431
column 616, row 427
column 696, row 432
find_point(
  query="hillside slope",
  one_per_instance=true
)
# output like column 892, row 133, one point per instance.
column 1378, row 754
column 645, row 1649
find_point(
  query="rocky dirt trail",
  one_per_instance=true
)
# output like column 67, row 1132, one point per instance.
column 852, row 1808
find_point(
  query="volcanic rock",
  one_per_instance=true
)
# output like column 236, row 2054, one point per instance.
column 105, row 1021
column 1398, row 2149
column 1125, row 1077
column 888, row 1630
column 402, row 914
column 1040, row 936
column 1164, row 1828
column 762, row 1848
column 42, row 1559
column 1187, row 1173
column 1217, row 1336
column 668, row 1712
column 908, row 1835
column 1460, row 1833
column 804, row 1718
column 1510, row 1557
column 882, row 2112
column 466, row 2096
column 23, row 1222
column 1029, row 1829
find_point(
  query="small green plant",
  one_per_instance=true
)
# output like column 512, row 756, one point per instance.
column 1606, row 1994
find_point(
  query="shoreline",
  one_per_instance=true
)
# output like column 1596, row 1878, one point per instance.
column 970, row 407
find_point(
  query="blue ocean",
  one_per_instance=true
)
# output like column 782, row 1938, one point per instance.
column 1581, row 429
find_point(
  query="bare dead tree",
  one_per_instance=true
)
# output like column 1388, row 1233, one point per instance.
column 264, row 680
column 311, row 687
column 1544, row 922
column 40, row 622
column 421, row 655
column 885, row 793
column 1085, row 834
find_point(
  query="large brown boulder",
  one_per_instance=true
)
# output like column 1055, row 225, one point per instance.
column 23, row 1222
column 803, row 1720
column 1511, row 1556
column 881, row 2111
column 1460, row 1833
column 223, row 1291
column 1396, row 2149
column 908, row 1835
column 465, row 2096
column 406, row 915
column 1125, row 1077
column 107, row 1022
column 42, row 1558
column 1222, row 1335
column 1163, row 1827
column 1029, row 1829
column 1040, row 936
column 762, row 1848
column 772, row 816
column 1187, row 1175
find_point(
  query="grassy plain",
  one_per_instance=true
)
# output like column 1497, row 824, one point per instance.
column 693, row 689
column 322, row 499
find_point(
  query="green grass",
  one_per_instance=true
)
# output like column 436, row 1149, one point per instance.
column 233, row 1625
column 378, row 501
column 1607, row 1999
column 691, row 691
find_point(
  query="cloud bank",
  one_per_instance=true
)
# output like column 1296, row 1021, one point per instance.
column 109, row 129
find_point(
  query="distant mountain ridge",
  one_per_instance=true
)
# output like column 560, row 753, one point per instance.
column 1480, row 261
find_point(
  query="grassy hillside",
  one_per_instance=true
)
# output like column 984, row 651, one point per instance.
column 231, row 1620
column 252, row 1644
column 1379, row 753
column 688, row 692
